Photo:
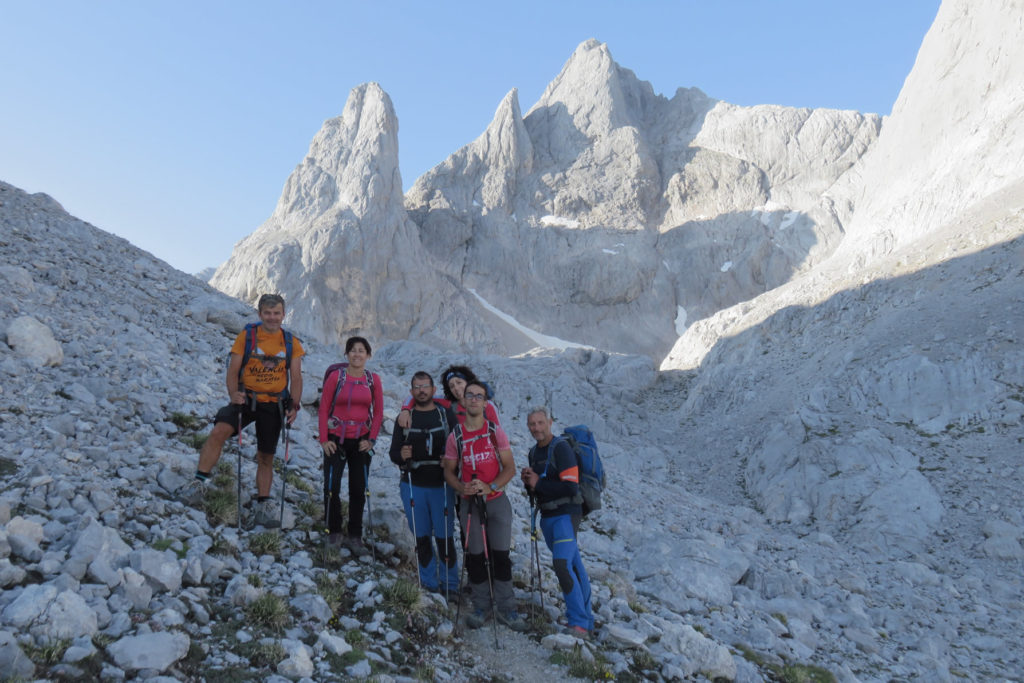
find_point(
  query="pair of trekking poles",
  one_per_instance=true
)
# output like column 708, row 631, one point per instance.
column 329, row 478
column 480, row 502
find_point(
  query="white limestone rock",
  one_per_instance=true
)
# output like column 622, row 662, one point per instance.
column 329, row 642
column 161, row 568
column 158, row 651
column 704, row 655
column 34, row 341
column 14, row 663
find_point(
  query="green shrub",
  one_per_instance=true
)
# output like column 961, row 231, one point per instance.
column 266, row 543
column 268, row 611
column 401, row 595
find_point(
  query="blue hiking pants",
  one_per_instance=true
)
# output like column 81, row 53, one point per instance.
column 572, row 577
column 433, row 527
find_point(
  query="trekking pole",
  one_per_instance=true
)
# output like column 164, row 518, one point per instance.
column 284, row 473
column 328, row 476
column 465, row 555
column 238, row 479
column 416, row 538
column 366, row 494
column 447, row 540
column 482, row 502
column 535, row 559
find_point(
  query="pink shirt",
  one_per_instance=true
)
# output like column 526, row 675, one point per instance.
column 479, row 456
column 356, row 411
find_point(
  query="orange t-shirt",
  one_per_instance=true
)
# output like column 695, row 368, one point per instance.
column 266, row 371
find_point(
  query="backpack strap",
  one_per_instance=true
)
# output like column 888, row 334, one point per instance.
column 564, row 500
column 250, row 348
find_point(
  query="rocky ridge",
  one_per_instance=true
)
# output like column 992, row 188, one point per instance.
column 620, row 208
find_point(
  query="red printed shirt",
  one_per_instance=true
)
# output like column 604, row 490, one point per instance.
column 479, row 456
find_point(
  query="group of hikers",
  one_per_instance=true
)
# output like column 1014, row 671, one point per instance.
column 453, row 455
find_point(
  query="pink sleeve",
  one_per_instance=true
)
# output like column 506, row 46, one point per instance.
column 501, row 438
column 376, row 407
column 450, row 448
column 325, row 403
column 491, row 413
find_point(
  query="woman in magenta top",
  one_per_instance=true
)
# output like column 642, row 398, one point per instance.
column 351, row 412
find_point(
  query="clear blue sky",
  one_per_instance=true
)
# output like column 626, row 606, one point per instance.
column 176, row 123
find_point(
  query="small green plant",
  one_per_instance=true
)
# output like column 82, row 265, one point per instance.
column 781, row 618
column 788, row 673
column 102, row 640
column 329, row 556
column 268, row 610
column 297, row 482
column 804, row 673
column 341, row 662
column 221, row 506
column 402, row 595
column 47, row 654
column 162, row 544
column 255, row 580
column 266, row 543
column 222, row 547
column 581, row 666
column 224, row 481
column 354, row 637
column 314, row 509
column 331, row 590
column 186, row 421
column 194, row 441
column 643, row 660
column 263, row 654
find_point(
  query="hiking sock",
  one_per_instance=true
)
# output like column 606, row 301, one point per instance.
column 202, row 476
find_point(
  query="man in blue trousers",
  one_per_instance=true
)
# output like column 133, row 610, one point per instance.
column 429, row 503
column 553, row 479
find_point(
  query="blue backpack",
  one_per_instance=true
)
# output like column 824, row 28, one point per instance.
column 592, row 480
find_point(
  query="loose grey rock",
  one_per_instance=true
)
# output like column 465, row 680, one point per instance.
column 157, row 651
column 33, row 341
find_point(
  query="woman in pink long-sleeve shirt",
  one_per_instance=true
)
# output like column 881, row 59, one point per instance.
column 351, row 412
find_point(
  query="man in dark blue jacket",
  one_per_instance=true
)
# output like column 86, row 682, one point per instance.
column 553, row 479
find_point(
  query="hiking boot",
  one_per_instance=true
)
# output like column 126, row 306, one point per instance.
column 477, row 618
column 578, row 632
column 267, row 514
column 194, row 493
column 356, row 546
column 513, row 620
column 335, row 539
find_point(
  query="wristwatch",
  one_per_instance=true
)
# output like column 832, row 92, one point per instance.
column 494, row 488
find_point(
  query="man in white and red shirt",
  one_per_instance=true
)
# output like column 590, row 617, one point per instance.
column 478, row 463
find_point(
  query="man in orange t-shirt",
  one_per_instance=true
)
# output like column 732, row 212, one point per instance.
column 266, row 392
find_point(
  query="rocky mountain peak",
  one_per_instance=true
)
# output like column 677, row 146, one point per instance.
column 352, row 164
column 596, row 93
column 323, row 246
